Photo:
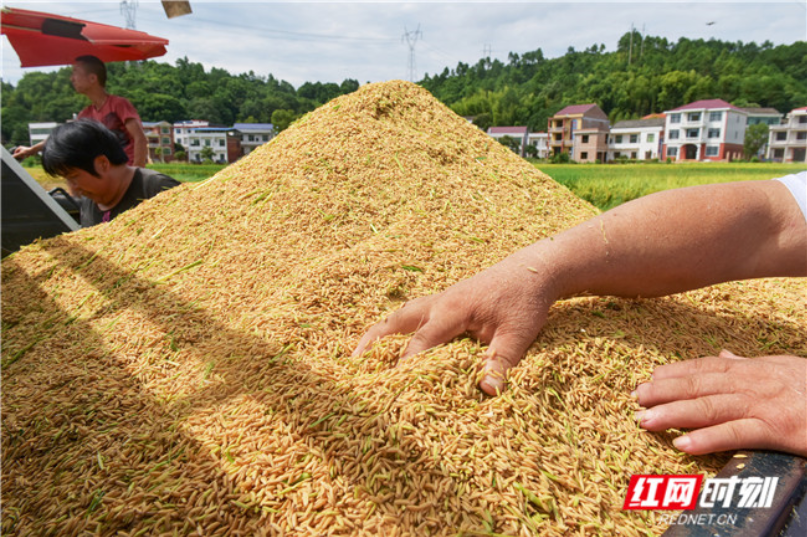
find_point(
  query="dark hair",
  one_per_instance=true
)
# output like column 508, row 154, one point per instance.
column 76, row 145
column 94, row 66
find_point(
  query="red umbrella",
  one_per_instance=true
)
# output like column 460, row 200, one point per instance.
column 45, row 39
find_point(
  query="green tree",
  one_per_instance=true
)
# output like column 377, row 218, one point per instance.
column 512, row 143
column 281, row 119
column 207, row 154
column 756, row 136
column 483, row 121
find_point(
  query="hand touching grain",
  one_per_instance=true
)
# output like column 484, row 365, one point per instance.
column 730, row 402
column 504, row 306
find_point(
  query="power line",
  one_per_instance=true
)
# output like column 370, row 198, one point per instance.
column 412, row 39
column 128, row 9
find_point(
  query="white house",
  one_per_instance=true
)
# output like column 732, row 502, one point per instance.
column 639, row 139
column 705, row 130
column 39, row 132
column 540, row 141
column 183, row 130
column 517, row 133
column 788, row 142
column 225, row 143
column 254, row 134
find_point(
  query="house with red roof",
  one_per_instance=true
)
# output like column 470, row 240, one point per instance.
column 788, row 142
column 705, row 130
column 580, row 130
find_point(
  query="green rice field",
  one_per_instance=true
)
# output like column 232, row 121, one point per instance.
column 609, row 185
column 603, row 185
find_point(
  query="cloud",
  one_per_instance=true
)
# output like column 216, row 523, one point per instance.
column 332, row 41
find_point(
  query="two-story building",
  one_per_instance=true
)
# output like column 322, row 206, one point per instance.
column 224, row 144
column 787, row 142
column 160, row 136
column 705, row 130
column 254, row 135
column 183, row 130
column 590, row 122
column 639, row 139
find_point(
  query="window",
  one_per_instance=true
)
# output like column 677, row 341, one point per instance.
column 779, row 153
column 166, row 140
column 674, row 134
column 651, row 137
column 675, row 118
column 715, row 116
column 781, row 136
column 207, row 142
column 266, row 139
column 801, row 135
column 693, row 133
column 166, row 150
column 633, row 155
column 802, row 120
column 712, row 150
column 694, row 116
column 221, row 142
column 584, row 155
column 634, row 138
column 164, row 130
column 585, row 140
column 672, row 151
column 713, row 133
column 195, row 142
column 619, row 138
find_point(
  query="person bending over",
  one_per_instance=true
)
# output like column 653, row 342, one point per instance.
column 664, row 243
column 93, row 163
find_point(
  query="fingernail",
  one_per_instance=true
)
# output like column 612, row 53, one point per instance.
column 492, row 385
column 634, row 395
column 683, row 443
column 645, row 416
column 638, row 415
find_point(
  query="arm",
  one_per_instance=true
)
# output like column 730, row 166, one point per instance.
column 140, row 142
column 664, row 243
column 660, row 244
column 22, row 152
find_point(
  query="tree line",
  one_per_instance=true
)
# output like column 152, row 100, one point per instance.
column 644, row 75
column 164, row 92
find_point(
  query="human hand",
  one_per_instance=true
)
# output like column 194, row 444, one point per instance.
column 504, row 306
column 731, row 402
column 21, row 152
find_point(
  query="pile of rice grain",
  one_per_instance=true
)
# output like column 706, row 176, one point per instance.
column 186, row 368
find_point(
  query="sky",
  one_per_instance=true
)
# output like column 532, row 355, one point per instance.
column 331, row 41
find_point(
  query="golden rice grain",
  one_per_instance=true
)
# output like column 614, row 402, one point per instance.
column 186, row 368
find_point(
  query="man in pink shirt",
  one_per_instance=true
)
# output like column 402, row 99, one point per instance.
column 114, row 112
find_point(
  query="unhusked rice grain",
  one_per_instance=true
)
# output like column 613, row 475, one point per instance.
column 186, row 368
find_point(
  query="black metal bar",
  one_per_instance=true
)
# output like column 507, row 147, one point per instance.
column 784, row 513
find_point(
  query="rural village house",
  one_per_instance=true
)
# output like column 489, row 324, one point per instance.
column 160, row 136
column 640, row 139
column 705, row 130
column 788, row 142
column 587, row 120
